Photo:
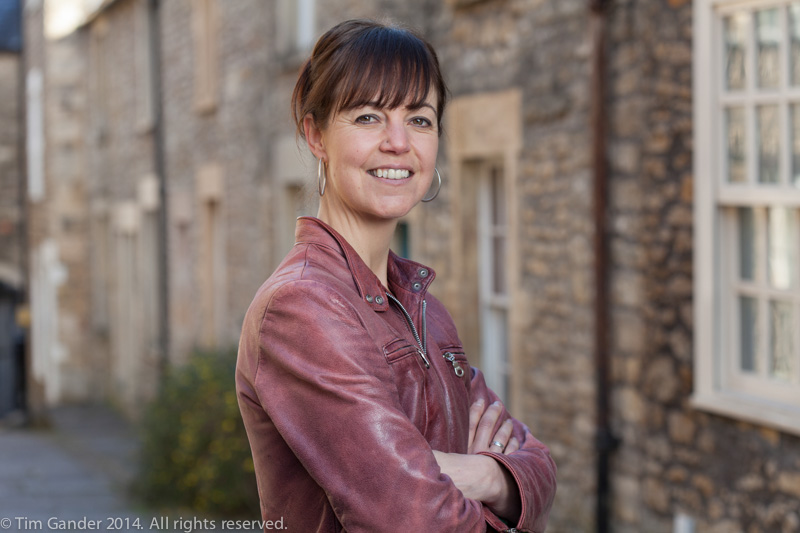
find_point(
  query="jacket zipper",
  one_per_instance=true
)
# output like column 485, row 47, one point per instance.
column 422, row 350
column 457, row 368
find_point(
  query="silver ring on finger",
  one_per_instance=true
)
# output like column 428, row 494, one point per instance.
column 498, row 444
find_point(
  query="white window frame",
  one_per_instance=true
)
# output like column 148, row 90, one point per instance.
column 495, row 306
column 719, row 385
column 472, row 139
column 296, row 26
column 35, row 134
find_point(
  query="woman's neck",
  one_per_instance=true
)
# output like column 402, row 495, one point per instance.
column 371, row 239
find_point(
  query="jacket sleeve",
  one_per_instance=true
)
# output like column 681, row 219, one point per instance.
column 326, row 386
column 531, row 466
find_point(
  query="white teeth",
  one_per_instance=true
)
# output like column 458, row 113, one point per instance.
column 391, row 173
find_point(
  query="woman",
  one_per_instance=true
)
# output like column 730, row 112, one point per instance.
column 361, row 409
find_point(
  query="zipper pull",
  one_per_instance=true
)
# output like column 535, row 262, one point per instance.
column 456, row 365
column 425, row 359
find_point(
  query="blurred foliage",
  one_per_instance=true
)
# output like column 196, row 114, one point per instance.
column 195, row 452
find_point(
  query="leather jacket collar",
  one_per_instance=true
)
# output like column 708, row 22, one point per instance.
column 406, row 277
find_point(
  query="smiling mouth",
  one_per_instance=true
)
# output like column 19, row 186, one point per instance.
column 390, row 173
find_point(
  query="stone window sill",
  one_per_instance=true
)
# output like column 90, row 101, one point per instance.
column 750, row 409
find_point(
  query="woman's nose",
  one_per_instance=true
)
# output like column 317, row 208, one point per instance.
column 396, row 139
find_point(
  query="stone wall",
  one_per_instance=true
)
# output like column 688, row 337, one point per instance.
column 542, row 48
column 232, row 164
column 233, row 136
column 727, row 475
column 65, row 112
column 10, row 171
column 60, row 360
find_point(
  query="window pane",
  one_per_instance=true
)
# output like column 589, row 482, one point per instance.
column 748, row 324
column 768, row 40
column 400, row 244
column 735, row 50
column 498, row 197
column 794, row 46
column 768, row 143
column 795, row 134
column 747, row 244
column 781, row 353
column 499, row 265
column 735, row 127
column 782, row 242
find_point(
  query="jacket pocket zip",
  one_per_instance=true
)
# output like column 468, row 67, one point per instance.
column 424, row 358
column 421, row 350
column 457, row 368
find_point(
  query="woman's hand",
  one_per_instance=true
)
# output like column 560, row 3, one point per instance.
column 480, row 477
column 481, row 424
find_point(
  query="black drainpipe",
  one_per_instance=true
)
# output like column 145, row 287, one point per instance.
column 605, row 441
column 22, row 201
column 160, row 168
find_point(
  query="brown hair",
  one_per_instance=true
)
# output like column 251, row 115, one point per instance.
column 358, row 62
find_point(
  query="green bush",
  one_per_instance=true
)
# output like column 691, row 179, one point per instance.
column 195, row 452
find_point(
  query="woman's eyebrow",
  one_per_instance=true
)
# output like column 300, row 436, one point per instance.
column 420, row 106
column 376, row 105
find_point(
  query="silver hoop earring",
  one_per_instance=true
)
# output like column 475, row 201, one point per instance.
column 322, row 177
column 439, row 188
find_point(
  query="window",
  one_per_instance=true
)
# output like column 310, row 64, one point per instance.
column 148, row 294
column 204, row 30
column 99, row 84
column 292, row 205
column 35, row 134
column 144, row 68
column 294, row 175
column 211, row 264
column 48, row 354
column 126, row 346
column 482, row 179
column 296, row 26
column 100, row 258
column 401, row 244
column 493, row 285
column 747, row 210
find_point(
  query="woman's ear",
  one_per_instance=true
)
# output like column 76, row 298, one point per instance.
column 314, row 138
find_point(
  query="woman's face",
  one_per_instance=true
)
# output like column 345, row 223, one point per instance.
column 380, row 162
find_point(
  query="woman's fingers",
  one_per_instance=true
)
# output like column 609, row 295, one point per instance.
column 481, row 424
column 501, row 438
column 484, row 433
column 512, row 446
column 475, row 412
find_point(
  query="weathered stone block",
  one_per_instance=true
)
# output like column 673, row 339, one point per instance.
column 789, row 482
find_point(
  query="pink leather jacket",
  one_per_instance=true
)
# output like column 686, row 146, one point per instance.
column 345, row 393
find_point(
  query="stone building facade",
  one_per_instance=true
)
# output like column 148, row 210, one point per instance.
column 12, row 228
column 173, row 175
column 10, row 168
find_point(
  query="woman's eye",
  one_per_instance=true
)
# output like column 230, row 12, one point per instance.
column 421, row 121
column 366, row 119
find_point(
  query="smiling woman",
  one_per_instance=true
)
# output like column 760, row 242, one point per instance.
column 351, row 377
column 379, row 163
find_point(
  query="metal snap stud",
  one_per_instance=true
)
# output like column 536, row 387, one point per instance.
column 417, row 286
column 423, row 272
column 368, row 297
column 379, row 300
